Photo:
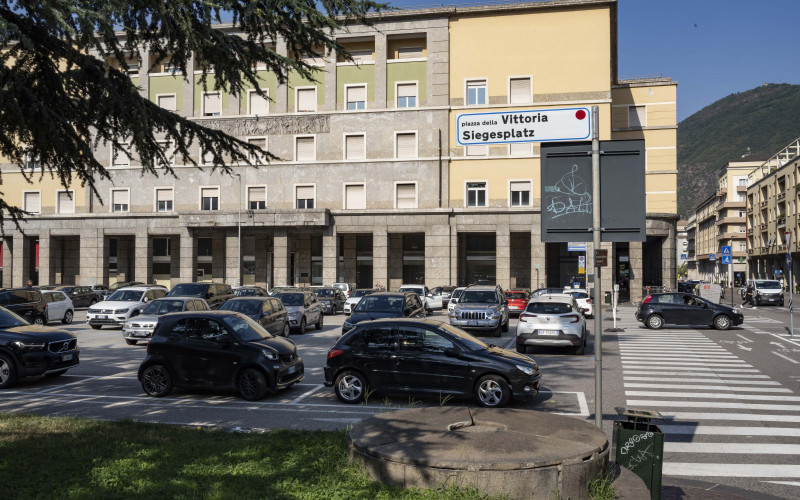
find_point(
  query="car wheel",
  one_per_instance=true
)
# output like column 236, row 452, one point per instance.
column 722, row 322
column 302, row 327
column 8, row 372
column 96, row 327
column 581, row 348
column 252, row 384
column 318, row 324
column 505, row 326
column 492, row 391
column 55, row 374
column 350, row 387
column 67, row 317
column 498, row 332
column 130, row 341
column 655, row 321
column 522, row 349
column 156, row 381
column 285, row 330
column 39, row 320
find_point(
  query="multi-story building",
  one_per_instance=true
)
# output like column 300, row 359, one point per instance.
column 371, row 185
column 773, row 192
column 691, row 247
column 681, row 246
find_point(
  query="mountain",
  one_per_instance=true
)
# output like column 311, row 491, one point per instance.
column 762, row 120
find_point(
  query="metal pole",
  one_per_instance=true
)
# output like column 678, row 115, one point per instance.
column 598, row 316
column 791, row 292
column 239, row 258
column 730, row 271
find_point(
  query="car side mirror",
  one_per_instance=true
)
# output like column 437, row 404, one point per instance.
column 452, row 352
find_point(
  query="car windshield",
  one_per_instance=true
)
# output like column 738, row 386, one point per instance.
column 188, row 290
column 470, row 342
column 245, row 292
column 768, row 285
column 340, row 286
column 580, row 295
column 159, row 307
column 381, row 303
column 8, row 319
column 116, row 285
column 478, row 297
column 291, row 299
column 548, row 308
column 245, row 328
column 515, row 295
column 126, row 296
column 325, row 292
column 360, row 293
column 417, row 290
column 457, row 293
column 248, row 307
column 65, row 289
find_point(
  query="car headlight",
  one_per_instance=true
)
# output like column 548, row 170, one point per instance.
column 121, row 311
column 527, row 370
column 294, row 314
column 270, row 355
column 496, row 315
column 348, row 325
column 28, row 345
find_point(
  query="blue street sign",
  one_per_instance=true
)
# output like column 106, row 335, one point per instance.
column 683, row 256
column 726, row 250
column 726, row 259
column 576, row 247
column 712, row 256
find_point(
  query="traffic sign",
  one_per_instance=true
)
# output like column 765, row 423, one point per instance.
column 726, row 259
column 726, row 250
column 601, row 258
column 575, row 246
column 712, row 256
column 683, row 256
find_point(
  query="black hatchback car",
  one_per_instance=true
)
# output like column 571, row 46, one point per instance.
column 662, row 309
column 31, row 350
column 215, row 294
column 427, row 357
column 81, row 296
column 218, row 349
column 266, row 311
column 385, row 305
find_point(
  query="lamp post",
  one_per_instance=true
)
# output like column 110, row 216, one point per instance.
column 239, row 237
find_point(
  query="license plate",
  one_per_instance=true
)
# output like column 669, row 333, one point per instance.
column 140, row 334
column 66, row 357
column 548, row 332
column 514, row 307
column 102, row 316
column 291, row 369
column 472, row 323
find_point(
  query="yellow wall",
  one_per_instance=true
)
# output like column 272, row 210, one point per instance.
column 14, row 184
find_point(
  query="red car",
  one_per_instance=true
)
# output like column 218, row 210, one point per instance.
column 517, row 300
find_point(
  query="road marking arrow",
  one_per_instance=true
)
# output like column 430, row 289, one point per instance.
column 787, row 358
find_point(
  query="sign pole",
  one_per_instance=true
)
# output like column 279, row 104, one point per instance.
column 730, row 271
column 791, row 292
column 598, row 316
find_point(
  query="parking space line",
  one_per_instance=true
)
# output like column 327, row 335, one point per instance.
column 305, row 394
column 85, row 379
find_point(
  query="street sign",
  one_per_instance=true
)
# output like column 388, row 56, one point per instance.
column 576, row 246
column 712, row 256
column 601, row 258
column 683, row 256
column 726, row 259
column 726, row 250
column 536, row 125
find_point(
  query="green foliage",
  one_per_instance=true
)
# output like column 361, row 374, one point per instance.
column 601, row 488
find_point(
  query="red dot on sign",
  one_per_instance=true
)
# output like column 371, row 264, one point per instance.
column 580, row 114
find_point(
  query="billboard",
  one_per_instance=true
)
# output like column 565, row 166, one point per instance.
column 506, row 127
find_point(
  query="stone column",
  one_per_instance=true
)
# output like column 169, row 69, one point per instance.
column 142, row 251
column 330, row 255
column 437, row 254
column 636, row 262
column 188, row 256
column 503, row 256
column 19, row 266
column 380, row 71
column 280, row 243
column 453, row 277
column 233, row 275
column 538, row 253
column 282, row 91
column 45, row 260
column 92, row 243
column 8, row 262
column 380, row 256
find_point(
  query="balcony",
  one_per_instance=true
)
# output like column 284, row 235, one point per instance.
column 722, row 191
column 730, row 220
column 781, row 195
column 750, row 210
column 750, row 251
column 732, row 204
column 763, row 204
column 741, row 189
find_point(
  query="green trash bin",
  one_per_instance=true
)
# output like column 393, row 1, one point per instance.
column 640, row 446
column 607, row 298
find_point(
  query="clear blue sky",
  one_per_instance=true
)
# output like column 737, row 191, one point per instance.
column 712, row 48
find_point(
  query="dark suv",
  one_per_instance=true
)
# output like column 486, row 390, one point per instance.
column 215, row 294
column 81, row 296
column 266, row 311
column 25, row 302
column 218, row 348
column 481, row 308
column 29, row 351
column 332, row 299
column 385, row 305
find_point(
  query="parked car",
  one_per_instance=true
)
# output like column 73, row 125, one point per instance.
column 278, row 289
column 59, row 306
column 454, row 298
column 584, row 301
column 688, row 286
column 249, row 291
column 81, row 296
column 662, row 309
column 304, row 309
column 47, row 287
column 545, row 291
column 517, row 300
column 481, row 307
column 122, row 305
column 551, row 320
column 215, row 294
column 385, row 305
column 428, row 357
column 332, row 299
column 100, row 291
column 355, row 298
column 767, row 292
column 268, row 312
column 113, row 287
column 31, row 350
column 141, row 327
column 25, row 302
column 345, row 287
column 218, row 349
column 447, row 293
column 432, row 302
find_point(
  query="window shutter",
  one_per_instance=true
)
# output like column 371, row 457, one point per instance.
column 409, row 53
column 520, row 149
column 305, row 149
column 121, row 198
column 354, row 147
column 407, row 90
column 33, row 202
column 210, row 193
column 521, row 186
column 163, row 195
column 407, row 145
column 637, row 116
column 356, row 94
column 406, row 196
column 168, row 102
column 257, row 194
column 260, row 142
column 520, row 90
column 121, row 155
column 305, row 192
column 66, row 205
column 306, row 100
column 212, row 104
column 354, row 197
column 258, row 104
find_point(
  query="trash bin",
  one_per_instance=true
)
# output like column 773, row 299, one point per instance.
column 607, row 298
column 640, row 446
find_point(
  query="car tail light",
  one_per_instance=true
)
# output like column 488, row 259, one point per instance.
column 148, row 346
column 526, row 315
column 647, row 299
column 332, row 353
column 588, row 301
column 573, row 318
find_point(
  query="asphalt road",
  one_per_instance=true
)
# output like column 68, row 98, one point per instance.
column 730, row 402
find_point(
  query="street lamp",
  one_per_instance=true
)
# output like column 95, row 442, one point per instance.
column 239, row 238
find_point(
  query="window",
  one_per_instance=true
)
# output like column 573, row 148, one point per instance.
column 209, row 198
column 164, row 198
column 519, row 149
column 305, row 149
column 304, row 196
column 743, row 181
column 742, row 247
column 206, row 157
column 354, row 197
column 480, row 150
column 410, row 53
column 212, row 104
column 356, row 97
column 30, row 160
column 378, row 338
column 421, row 340
column 256, row 104
column 257, row 198
column 476, row 92
column 120, row 200
column 32, row 202
column 520, row 193
column 354, row 147
column 161, row 247
column 406, row 95
column 261, row 142
column 519, row 91
column 121, row 155
column 406, row 145
column 66, row 202
column 169, row 153
column 476, row 194
column 637, row 116
column 406, row 195
column 307, row 100
column 167, row 101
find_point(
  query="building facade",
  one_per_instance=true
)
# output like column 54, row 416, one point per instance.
column 371, row 185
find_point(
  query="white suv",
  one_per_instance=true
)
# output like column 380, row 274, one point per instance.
column 122, row 305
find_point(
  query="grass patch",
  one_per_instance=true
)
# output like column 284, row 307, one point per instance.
column 601, row 488
column 72, row 458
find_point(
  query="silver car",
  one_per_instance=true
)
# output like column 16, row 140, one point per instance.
column 304, row 309
column 59, row 306
column 551, row 320
column 141, row 327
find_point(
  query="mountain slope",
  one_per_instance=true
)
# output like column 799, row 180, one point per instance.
column 764, row 119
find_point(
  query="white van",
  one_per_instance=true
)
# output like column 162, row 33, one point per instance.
column 767, row 292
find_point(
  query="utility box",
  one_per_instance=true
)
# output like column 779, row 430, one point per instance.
column 640, row 447
column 710, row 291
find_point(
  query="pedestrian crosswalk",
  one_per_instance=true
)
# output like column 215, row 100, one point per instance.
column 723, row 417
